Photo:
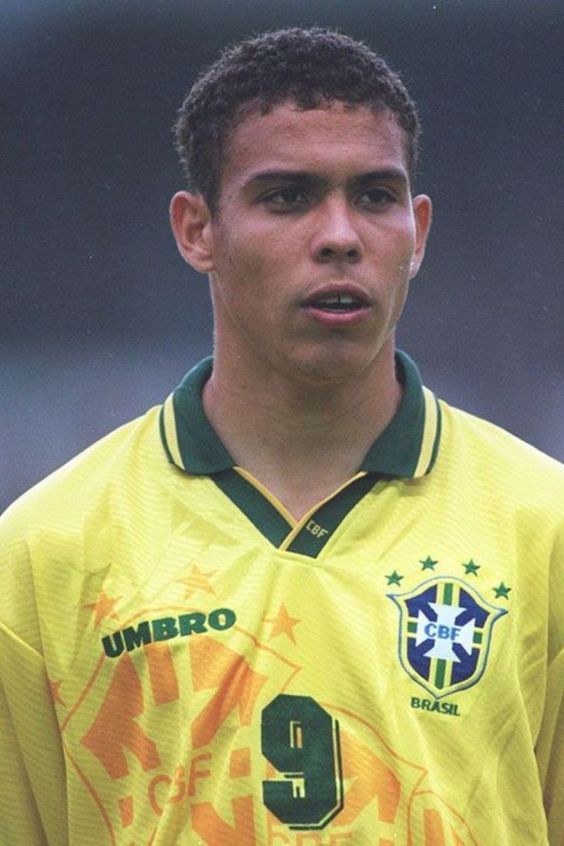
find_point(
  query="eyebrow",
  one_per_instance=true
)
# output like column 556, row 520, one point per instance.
column 303, row 177
column 389, row 174
column 313, row 180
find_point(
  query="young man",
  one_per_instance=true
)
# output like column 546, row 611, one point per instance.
column 304, row 602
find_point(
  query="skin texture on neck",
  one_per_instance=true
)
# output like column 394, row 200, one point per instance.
column 302, row 441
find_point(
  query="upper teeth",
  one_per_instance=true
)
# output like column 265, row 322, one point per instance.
column 339, row 299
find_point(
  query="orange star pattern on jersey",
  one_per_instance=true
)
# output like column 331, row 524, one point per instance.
column 103, row 607
column 282, row 624
column 197, row 580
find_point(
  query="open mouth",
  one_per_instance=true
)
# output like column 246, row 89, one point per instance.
column 337, row 303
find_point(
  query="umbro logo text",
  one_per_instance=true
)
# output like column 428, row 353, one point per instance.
column 166, row 628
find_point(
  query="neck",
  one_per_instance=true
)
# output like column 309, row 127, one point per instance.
column 300, row 440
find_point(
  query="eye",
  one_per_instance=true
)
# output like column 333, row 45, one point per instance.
column 286, row 199
column 376, row 197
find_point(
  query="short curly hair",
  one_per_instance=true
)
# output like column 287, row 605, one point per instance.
column 309, row 67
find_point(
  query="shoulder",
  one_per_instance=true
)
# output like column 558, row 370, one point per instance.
column 501, row 460
column 75, row 523
column 116, row 461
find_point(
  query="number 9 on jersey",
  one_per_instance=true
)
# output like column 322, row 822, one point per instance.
column 301, row 741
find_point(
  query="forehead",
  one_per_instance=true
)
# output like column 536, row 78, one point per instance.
column 331, row 138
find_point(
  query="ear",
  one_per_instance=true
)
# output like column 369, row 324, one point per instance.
column 191, row 224
column 422, row 212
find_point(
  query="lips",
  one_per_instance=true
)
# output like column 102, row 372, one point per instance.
column 337, row 300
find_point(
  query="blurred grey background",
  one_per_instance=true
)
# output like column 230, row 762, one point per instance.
column 100, row 318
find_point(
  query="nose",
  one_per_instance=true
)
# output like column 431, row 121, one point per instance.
column 336, row 237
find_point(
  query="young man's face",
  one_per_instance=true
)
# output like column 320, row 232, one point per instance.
column 314, row 243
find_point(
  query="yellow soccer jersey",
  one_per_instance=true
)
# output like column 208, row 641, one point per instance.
column 181, row 662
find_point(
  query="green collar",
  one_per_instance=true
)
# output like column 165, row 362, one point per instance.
column 407, row 448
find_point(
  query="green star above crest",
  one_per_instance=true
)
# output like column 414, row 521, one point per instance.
column 394, row 578
column 470, row 568
column 428, row 563
column 501, row 591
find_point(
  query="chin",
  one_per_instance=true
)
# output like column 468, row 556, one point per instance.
column 334, row 369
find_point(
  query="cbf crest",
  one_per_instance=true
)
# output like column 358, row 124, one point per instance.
column 445, row 632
